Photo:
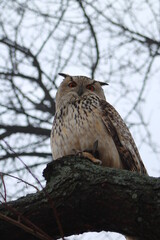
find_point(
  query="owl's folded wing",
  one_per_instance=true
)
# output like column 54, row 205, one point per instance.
column 122, row 138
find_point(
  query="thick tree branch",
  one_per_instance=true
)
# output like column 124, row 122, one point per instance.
column 90, row 197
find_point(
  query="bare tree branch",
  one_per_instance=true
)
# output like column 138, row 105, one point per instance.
column 26, row 129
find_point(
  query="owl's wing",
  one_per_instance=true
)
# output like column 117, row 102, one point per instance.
column 122, row 138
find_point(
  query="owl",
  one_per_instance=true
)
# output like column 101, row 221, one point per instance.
column 86, row 124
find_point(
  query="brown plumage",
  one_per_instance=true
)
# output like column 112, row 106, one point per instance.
column 122, row 138
column 83, row 118
column 86, row 123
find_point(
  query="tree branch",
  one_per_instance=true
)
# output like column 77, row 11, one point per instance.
column 93, row 33
column 28, row 53
column 26, row 129
column 90, row 197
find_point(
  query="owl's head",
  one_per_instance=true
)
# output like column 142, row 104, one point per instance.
column 76, row 87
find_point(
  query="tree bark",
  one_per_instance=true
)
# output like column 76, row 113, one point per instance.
column 89, row 197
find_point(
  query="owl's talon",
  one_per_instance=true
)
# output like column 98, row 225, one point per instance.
column 87, row 155
column 91, row 157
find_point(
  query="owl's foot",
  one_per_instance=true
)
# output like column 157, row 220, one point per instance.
column 91, row 157
column 88, row 155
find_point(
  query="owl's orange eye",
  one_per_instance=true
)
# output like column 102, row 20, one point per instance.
column 72, row 84
column 90, row 87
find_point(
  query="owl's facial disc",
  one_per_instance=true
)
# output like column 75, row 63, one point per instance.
column 75, row 88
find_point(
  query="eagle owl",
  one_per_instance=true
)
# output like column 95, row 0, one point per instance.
column 86, row 123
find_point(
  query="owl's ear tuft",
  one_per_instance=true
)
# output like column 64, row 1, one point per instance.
column 63, row 75
column 103, row 83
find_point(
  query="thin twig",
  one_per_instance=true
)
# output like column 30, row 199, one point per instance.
column 33, row 231
column 9, row 175
column 4, row 186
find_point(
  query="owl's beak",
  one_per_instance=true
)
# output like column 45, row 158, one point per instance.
column 80, row 90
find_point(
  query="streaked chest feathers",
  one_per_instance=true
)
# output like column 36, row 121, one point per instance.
column 77, row 126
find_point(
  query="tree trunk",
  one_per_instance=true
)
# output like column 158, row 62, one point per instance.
column 87, row 197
